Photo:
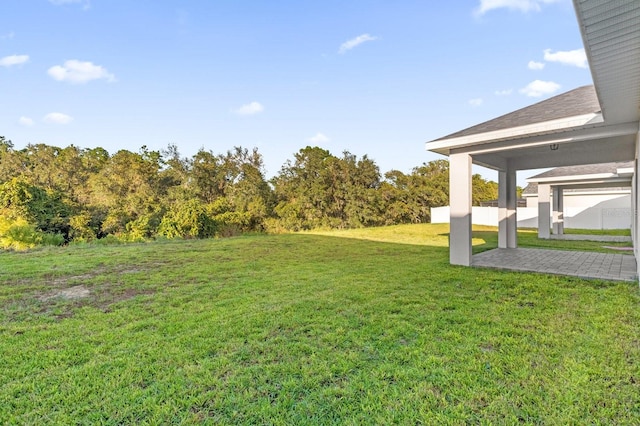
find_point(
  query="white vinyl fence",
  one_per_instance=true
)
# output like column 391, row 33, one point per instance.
column 574, row 217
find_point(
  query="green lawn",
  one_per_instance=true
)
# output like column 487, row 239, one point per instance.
column 484, row 237
column 309, row 329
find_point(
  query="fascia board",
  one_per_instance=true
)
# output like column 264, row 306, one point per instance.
column 585, row 178
column 579, row 192
column 625, row 171
column 602, row 179
column 587, row 192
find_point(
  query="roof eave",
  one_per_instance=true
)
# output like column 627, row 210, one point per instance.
column 592, row 178
column 444, row 146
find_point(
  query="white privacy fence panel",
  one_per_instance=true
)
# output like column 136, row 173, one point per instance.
column 574, row 217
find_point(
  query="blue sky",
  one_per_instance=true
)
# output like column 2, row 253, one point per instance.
column 372, row 77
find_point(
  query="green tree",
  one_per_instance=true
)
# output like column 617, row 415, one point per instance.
column 247, row 190
column 302, row 190
column 483, row 190
column 318, row 189
column 127, row 191
column 409, row 198
column 21, row 201
column 207, row 176
column 187, row 218
column 12, row 162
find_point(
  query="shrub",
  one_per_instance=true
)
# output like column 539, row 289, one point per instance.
column 80, row 228
column 187, row 219
column 18, row 234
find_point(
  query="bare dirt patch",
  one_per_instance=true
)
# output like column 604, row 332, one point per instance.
column 61, row 296
column 71, row 293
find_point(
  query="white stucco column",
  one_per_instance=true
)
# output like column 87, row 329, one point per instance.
column 558, row 210
column 503, row 230
column 544, row 210
column 635, row 219
column 512, row 208
column 634, row 206
column 507, row 208
column 460, row 202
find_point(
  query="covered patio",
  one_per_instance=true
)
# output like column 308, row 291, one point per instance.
column 551, row 187
column 590, row 265
column 588, row 125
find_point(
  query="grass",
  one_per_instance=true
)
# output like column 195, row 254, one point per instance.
column 309, row 329
column 529, row 238
column 580, row 231
column 484, row 237
column 621, row 232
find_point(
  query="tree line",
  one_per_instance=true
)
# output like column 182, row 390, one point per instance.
column 52, row 195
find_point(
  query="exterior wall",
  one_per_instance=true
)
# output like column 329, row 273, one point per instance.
column 612, row 214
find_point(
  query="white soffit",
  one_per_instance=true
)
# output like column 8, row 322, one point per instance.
column 611, row 34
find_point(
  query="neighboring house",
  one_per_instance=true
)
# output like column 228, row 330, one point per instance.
column 588, row 125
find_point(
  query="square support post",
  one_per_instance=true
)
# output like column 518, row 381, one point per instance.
column 635, row 217
column 558, row 211
column 512, row 208
column 544, row 210
column 507, row 209
column 460, row 201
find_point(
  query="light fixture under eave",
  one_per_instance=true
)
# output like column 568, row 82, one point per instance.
column 554, row 146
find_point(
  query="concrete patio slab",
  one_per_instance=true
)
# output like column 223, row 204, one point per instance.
column 590, row 265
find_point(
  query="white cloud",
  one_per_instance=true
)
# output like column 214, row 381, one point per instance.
column 319, row 138
column 9, row 61
column 475, row 102
column 576, row 57
column 538, row 88
column 520, row 5
column 350, row 44
column 504, row 92
column 26, row 121
column 79, row 72
column 86, row 4
column 57, row 118
column 533, row 65
column 250, row 109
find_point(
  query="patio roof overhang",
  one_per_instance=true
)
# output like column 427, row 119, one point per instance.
column 559, row 146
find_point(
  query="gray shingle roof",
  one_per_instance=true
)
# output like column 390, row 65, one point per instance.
column 582, row 100
column 530, row 189
column 587, row 169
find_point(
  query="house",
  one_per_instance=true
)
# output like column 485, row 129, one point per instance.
column 588, row 125
column 592, row 196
